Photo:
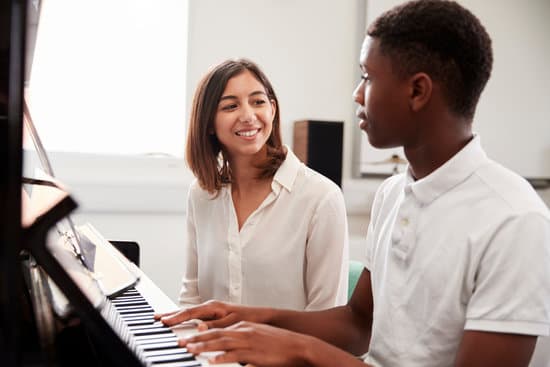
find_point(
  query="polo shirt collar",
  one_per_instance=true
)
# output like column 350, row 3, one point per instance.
column 457, row 169
column 287, row 172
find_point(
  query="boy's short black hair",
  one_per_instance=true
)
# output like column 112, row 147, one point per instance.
column 442, row 39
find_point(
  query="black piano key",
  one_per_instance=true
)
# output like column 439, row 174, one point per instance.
column 179, row 364
column 119, row 298
column 159, row 346
column 132, row 312
column 130, row 301
column 133, row 309
column 120, row 305
column 124, row 296
column 127, row 298
column 148, row 339
column 125, row 313
column 171, row 358
column 138, row 329
column 130, row 307
column 147, row 320
column 151, row 334
column 165, row 351
column 152, row 331
column 140, row 316
column 145, row 346
column 155, row 324
column 127, row 302
column 140, row 322
column 132, row 319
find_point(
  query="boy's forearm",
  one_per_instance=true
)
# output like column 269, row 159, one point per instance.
column 317, row 353
column 338, row 326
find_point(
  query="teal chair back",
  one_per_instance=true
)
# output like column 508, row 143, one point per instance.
column 355, row 270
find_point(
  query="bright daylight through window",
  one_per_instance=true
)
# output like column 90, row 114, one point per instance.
column 109, row 76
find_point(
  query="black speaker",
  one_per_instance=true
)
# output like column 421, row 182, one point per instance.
column 319, row 145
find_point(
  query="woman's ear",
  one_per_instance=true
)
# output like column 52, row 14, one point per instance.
column 421, row 87
column 273, row 106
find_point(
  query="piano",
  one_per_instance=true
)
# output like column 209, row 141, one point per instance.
column 121, row 326
column 38, row 268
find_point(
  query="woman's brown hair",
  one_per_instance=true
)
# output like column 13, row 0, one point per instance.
column 204, row 152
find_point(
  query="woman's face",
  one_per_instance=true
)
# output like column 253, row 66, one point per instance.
column 244, row 118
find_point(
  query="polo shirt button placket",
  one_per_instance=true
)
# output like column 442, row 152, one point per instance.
column 401, row 236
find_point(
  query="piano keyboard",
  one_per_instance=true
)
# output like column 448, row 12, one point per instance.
column 155, row 345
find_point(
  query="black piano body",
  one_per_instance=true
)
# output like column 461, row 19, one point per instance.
column 121, row 328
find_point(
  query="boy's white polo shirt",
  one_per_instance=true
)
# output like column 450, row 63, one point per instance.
column 467, row 247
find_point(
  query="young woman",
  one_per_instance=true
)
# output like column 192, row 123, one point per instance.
column 263, row 229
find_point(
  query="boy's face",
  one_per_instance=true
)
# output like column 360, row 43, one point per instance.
column 383, row 99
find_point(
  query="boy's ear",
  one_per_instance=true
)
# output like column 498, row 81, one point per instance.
column 421, row 87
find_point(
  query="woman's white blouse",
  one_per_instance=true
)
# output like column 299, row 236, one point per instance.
column 292, row 251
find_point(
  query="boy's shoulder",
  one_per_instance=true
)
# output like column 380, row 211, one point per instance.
column 514, row 192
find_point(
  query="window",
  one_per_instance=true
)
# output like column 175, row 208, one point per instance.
column 108, row 77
